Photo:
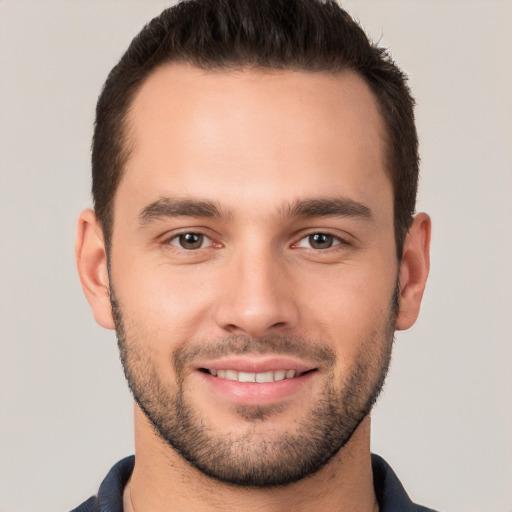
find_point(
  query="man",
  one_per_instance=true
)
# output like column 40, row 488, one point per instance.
column 254, row 245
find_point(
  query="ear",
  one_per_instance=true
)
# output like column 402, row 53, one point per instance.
column 91, row 260
column 414, row 269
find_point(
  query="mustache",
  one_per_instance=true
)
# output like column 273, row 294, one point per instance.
column 227, row 346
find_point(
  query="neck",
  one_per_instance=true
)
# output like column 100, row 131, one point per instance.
column 162, row 479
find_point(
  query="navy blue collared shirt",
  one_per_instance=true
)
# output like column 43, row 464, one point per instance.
column 389, row 491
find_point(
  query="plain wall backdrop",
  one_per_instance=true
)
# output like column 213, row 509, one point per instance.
column 444, row 421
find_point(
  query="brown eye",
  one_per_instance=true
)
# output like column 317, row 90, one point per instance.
column 189, row 241
column 321, row 241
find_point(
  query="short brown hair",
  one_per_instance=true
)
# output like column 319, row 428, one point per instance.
column 310, row 35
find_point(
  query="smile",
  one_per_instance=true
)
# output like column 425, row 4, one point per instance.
column 261, row 377
column 241, row 381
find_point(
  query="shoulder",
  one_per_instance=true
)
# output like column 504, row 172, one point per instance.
column 110, row 494
column 91, row 505
column 390, row 492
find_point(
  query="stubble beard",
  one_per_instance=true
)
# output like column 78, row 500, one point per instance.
column 254, row 459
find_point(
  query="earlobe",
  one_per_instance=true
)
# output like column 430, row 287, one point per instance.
column 91, row 260
column 414, row 269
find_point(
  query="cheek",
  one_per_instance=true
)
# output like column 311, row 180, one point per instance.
column 341, row 305
column 350, row 308
column 165, row 302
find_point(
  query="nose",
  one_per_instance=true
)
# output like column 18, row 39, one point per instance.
column 256, row 298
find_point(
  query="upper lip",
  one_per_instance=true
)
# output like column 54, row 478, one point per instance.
column 256, row 364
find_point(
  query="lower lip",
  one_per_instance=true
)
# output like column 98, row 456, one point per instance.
column 252, row 393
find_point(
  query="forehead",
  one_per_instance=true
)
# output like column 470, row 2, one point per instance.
column 238, row 133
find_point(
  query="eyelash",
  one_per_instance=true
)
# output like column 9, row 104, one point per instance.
column 337, row 241
column 176, row 238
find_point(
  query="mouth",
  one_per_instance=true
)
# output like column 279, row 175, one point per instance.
column 253, row 377
column 255, row 382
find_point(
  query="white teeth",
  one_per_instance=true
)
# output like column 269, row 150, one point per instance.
column 246, row 377
column 231, row 375
column 265, row 377
column 280, row 375
column 254, row 377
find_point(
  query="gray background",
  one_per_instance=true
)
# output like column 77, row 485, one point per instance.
column 445, row 420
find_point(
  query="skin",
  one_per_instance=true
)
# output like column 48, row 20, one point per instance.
column 253, row 143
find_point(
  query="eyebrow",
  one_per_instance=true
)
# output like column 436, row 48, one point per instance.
column 327, row 207
column 165, row 207
column 175, row 207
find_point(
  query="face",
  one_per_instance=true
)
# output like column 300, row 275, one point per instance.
column 253, row 267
